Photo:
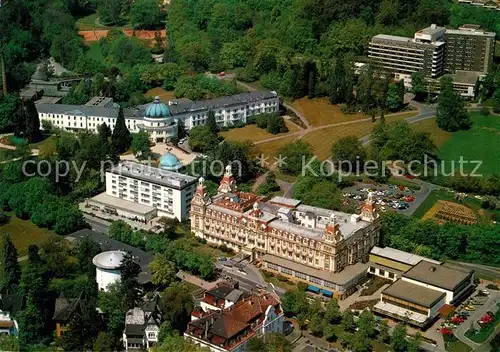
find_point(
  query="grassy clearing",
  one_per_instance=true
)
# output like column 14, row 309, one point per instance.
column 270, row 149
column 322, row 140
column 89, row 23
column 457, row 346
column 94, row 52
column 254, row 133
column 438, row 136
column 284, row 177
column 47, row 142
column 165, row 95
column 24, row 232
column 481, row 142
column 484, row 216
column 320, row 112
column 7, row 154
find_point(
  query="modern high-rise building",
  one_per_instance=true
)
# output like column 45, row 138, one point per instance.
column 465, row 53
column 469, row 49
column 401, row 55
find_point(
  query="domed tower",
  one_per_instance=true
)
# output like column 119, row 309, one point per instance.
column 170, row 162
column 158, row 122
column 156, row 110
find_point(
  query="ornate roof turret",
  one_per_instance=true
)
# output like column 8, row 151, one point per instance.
column 201, row 196
column 369, row 211
column 332, row 230
column 228, row 183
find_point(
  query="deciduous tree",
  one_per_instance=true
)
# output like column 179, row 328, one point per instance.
column 451, row 112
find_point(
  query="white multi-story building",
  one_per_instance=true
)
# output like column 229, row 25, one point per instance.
column 140, row 192
column 321, row 247
column 158, row 119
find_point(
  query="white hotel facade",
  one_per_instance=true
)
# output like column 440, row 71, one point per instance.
column 158, row 119
column 142, row 193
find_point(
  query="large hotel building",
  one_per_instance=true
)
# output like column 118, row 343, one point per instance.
column 321, row 247
column 158, row 119
column 465, row 53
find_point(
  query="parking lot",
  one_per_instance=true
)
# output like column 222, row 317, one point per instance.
column 387, row 197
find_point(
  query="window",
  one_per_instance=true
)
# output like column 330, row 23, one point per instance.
column 391, row 275
column 381, row 272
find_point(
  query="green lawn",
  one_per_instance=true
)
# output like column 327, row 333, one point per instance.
column 88, row 23
column 7, row 154
column 48, row 141
column 457, row 346
column 484, row 216
column 481, row 142
column 94, row 52
column 24, row 232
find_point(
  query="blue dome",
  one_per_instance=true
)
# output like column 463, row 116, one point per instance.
column 170, row 162
column 156, row 109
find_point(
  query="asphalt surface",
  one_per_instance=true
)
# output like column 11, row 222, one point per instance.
column 489, row 305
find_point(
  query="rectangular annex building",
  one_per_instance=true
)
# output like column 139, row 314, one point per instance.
column 391, row 263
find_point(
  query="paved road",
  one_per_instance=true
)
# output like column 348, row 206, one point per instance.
column 97, row 225
column 490, row 305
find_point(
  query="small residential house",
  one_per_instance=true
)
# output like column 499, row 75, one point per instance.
column 63, row 312
column 229, row 329
column 10, row 305
column 142, row 326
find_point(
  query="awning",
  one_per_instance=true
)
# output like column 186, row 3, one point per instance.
column 327, row 293
column 313, row 289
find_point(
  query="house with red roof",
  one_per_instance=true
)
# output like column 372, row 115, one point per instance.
column 229, row 329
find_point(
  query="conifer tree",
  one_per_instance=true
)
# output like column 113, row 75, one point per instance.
column 10, row 271
column 121, row 137
column 451, row 112
column 212, row 123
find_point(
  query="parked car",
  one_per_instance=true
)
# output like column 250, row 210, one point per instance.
column 486, row 292
column 471, row 308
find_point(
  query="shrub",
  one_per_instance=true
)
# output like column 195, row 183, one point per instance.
column 492, row 287
column 282, row 278
column 4, row 218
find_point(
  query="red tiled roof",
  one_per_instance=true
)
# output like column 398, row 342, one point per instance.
column 234, row 320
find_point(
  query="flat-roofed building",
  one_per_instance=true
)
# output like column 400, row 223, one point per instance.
column 457, row 284
column 469, row 48
column 391, row 263
column 140, row 192
column 402, row 55
column 414, row 304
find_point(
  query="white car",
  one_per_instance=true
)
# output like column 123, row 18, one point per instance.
column 486, row 292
